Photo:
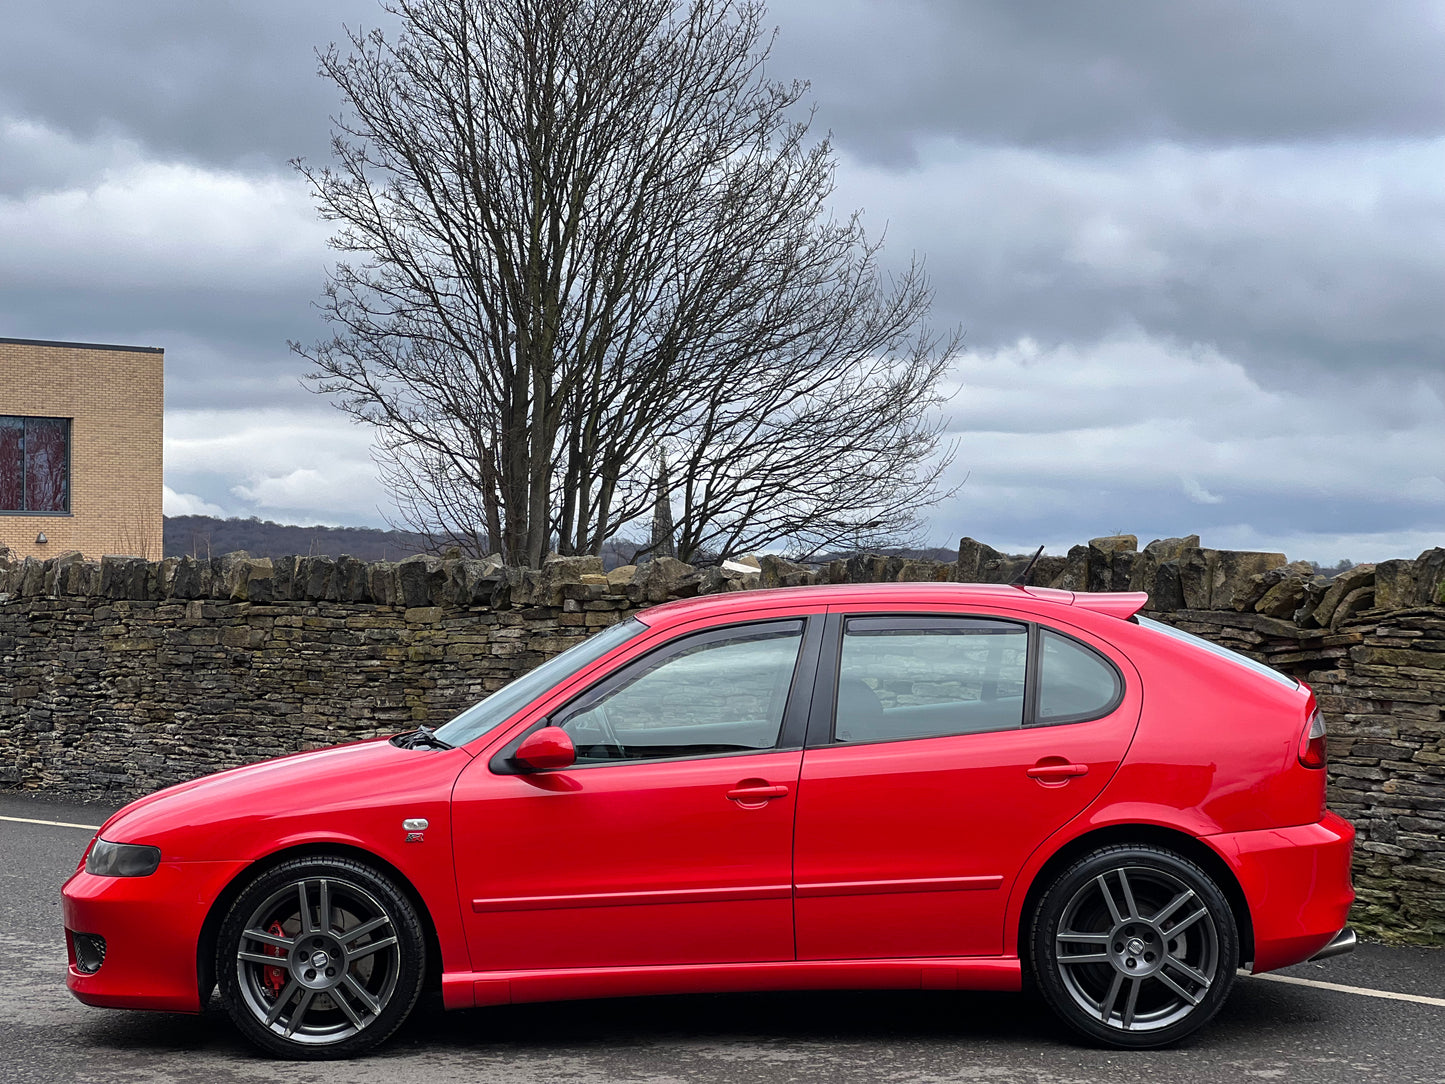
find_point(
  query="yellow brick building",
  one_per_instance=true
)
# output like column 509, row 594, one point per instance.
column 80, row 448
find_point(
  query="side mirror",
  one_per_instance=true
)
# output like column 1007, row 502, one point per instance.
column 544, row 749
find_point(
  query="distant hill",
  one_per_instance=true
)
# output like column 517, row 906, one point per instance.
column 207, row 536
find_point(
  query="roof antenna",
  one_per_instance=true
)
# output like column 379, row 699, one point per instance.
column 1022, row 579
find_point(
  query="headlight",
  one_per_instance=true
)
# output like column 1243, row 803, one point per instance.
column 107, row 859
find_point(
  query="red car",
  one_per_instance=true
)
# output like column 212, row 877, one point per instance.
column 937, row 786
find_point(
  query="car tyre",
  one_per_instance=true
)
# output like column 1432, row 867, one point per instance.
column 320, row 958
column 1134, row 947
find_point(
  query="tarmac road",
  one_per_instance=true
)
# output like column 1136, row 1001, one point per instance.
column 1269, row 1030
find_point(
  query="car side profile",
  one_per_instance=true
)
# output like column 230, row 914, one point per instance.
column 936, row 786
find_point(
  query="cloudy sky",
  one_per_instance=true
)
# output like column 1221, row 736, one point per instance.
column 1198, row 248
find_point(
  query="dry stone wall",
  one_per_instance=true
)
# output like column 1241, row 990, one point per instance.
column 122, row 675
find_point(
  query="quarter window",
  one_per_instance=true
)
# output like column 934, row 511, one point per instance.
column 928, row 677
column 1075, row 682
column 34, row 464
column 715, row 693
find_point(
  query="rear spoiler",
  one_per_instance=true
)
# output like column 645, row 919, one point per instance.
column 1120, row 604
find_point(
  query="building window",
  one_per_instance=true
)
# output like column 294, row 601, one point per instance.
column 34, row 464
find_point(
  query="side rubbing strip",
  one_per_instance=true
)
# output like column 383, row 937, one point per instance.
column 919, row 884
column 633, row 899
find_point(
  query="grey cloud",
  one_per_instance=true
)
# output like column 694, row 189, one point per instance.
column 1291, row 259
column 230, row 83
column 1087, row 75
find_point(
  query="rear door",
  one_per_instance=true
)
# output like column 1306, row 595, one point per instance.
column 942, row 750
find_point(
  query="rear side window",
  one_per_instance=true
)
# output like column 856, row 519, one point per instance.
column 929, row 677
column 1075, row 682
column 1214, row 649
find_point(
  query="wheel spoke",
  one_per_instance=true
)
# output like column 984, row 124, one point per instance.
column 323, row 907
column 1108, row 899
column 1106, row 1007
column 306, row 924
column 1132, row 908
column 1184, row 923
column 281, row 999
column 363, row 995
column 345, row 1006
column 269, row 939
column 1131, row 1002
column 369, row 948
column 260, row 958
column 1082, row 938
column 1172, row 906
column 1085, row 958
column 1179, row 965
column 298, row 1014
column 1163, row 977
column 349, row 936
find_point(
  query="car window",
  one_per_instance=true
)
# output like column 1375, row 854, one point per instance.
column 1214, row 649
column 929, row 677
column 714, row 693
column 1075, row 681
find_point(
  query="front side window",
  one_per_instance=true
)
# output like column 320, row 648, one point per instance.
column 929, row 677
column 712, row 694
column 34, row 464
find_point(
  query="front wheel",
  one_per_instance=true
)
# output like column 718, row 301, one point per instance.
column 320, row 958
column 1134, row 946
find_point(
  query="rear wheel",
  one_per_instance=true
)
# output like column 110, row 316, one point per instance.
column 1134, row 946
column 320, row 958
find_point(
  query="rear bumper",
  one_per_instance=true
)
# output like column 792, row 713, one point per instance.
column 1296, row 882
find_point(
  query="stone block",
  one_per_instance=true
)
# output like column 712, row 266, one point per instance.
column 250, row 580
column 780, row 572
column 663, row 578
column 975, row 561
column 1284, row 598
column 1074, row 574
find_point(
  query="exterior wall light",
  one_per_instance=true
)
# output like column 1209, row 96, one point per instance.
column 40, row 539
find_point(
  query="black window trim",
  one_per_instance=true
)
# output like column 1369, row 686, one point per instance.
column 795, row 709
column 824, row 702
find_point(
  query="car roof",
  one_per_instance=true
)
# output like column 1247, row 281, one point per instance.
column 1120, row 604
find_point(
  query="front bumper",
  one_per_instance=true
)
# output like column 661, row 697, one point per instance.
column 151, row 926
column 1296, row 882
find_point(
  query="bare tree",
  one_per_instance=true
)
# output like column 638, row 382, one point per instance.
column 588, row 235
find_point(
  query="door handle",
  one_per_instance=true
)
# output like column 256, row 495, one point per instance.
column 1056, row 771
column 757, row 794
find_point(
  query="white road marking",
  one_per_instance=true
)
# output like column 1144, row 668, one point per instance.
column 52, row 824
column 1360, row 991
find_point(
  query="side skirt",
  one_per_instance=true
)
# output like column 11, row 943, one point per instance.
column 474, row 989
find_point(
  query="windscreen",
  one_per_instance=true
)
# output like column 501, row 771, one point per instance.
column 515, row 695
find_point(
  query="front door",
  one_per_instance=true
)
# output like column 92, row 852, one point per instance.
column 938, row 777
column 670, row 840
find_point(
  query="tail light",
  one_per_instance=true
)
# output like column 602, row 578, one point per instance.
column 1312, row 742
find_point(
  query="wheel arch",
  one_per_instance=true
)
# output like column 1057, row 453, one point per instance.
column 1172, row 839
column 221, row 906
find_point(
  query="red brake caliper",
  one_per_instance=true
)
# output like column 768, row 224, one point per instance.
column 275, row 977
